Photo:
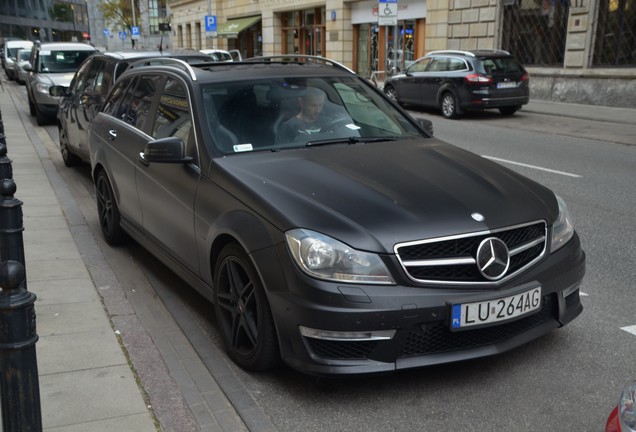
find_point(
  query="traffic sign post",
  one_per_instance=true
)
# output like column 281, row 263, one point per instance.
column 135, row 32
column 387, row 12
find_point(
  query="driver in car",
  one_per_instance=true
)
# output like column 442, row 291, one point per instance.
column 309, row 119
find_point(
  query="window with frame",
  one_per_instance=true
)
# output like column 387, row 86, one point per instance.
column 141, row 101
column 615, row 43
column 173, row 115
column 117, row 96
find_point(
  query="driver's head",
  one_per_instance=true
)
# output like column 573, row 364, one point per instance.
column 311, row 104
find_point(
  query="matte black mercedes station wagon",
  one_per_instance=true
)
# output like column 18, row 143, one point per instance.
column 324, row 224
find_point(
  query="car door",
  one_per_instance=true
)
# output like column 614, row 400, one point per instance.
column 432, row 80
column 410, row 84
column 166, row 190
column 115, row 135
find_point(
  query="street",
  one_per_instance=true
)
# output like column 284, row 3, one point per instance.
column 567, row 380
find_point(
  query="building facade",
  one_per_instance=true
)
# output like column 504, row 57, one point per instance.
column 581, row 51
column 45, row 20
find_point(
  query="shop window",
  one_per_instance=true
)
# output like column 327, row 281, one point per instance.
column 535, row 31
column 615, row 43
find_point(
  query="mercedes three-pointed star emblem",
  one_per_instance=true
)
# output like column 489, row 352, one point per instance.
column 493, row 258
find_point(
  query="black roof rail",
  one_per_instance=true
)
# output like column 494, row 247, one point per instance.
column 164, row 61
column 298, row 59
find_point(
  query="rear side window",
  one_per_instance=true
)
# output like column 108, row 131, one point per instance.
column 500, row 65
column 141, row 101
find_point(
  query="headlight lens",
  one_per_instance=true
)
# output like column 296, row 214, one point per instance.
column 326, row 258
column 563, row 229
column 626, row 407
column 42, row 88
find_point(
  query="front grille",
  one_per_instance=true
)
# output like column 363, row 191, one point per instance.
column 437, row 337
column 421, row 259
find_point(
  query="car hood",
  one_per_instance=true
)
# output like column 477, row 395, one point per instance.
column 372, row 196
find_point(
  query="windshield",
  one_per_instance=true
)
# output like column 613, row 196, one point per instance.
column 61, row 61
column 24, row 55
column 276, row 114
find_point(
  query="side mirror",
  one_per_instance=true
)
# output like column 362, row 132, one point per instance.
column 164, row 150
column 426, row 124
column 27, row 67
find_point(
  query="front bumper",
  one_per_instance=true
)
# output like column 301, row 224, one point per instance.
column 328, row 328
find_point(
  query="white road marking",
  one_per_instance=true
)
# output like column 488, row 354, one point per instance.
column 630, row 329
column 533, row 166
column 582, row 294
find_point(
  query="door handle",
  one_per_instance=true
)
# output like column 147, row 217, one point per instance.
column 112, row 134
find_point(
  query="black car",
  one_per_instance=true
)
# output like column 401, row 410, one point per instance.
column 359, row 244
column 458, row 81
column 85, row 95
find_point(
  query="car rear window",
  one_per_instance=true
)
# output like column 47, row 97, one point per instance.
column 500, row 65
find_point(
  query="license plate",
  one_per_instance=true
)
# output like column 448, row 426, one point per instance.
column 503, row 85
column 495, row 311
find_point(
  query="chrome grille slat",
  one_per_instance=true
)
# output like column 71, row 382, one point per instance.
column 451, row 260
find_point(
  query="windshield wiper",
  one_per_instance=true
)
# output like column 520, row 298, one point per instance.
column 349, row 140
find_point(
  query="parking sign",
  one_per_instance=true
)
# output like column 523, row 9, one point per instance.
column 135, row 32
column 210, row 23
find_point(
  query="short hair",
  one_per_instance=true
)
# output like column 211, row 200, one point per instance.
column 313, row 92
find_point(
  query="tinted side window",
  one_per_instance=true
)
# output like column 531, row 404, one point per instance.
column 456, row 64
column 141, row 101
column 173, row 114
column 77, row 85
column 117, row 96
column 439, row 64
column 94, row 77
column 420, row 66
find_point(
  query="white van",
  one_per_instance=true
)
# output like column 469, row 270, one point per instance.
column 10, row 52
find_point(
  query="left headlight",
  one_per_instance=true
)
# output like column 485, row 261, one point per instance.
column 563, row 229
column 326, row 258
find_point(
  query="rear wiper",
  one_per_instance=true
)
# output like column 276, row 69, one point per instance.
column 349, row 140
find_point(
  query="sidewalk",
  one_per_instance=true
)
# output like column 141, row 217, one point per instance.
column 86, row 383
column 585, row 112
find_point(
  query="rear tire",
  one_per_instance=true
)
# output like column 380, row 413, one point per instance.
column 448, row 105
column 70, row 159
column 242, row 311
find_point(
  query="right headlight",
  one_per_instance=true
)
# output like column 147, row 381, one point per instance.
column 563, row 229
column 326, row 258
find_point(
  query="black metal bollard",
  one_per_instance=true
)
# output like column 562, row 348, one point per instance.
column 3, row 138
column 20, row 388
column 19, row 381
column 6, row 171
column 11, row 242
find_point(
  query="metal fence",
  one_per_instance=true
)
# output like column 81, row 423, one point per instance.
column 615, row 43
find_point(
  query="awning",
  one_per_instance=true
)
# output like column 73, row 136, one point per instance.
column 233, row 27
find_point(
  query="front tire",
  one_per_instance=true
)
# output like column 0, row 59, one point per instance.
column 31, row 105
column 242, row 311
column 109, row 218
column 389, row 90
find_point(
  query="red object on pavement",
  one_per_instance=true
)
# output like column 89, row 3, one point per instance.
column 613, row 425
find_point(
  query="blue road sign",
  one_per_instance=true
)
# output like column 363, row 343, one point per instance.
column 122, row 35
column 135, row 31
column 106, row 32
column 210, row 23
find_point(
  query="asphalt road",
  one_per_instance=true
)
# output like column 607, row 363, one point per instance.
column 567, row 380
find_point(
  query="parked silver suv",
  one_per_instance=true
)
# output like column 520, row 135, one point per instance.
column 52, row 64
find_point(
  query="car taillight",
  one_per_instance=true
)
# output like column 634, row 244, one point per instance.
column 476, row 78
column 525, row 76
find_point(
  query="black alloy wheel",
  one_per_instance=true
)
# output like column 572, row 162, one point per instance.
column 242, row 311
column 108, row 211
column 70, row 159
column 449, row 105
